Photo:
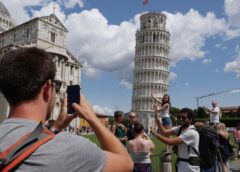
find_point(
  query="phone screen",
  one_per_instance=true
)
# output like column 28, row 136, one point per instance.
column 73, row 94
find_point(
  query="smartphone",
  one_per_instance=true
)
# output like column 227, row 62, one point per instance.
column 73, row 95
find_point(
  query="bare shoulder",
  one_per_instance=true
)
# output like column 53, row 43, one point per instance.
column 113, row 126
column 131, row 142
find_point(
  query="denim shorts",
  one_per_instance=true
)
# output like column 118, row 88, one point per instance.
column 166, row 121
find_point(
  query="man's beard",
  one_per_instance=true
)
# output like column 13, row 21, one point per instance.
column 185, row 125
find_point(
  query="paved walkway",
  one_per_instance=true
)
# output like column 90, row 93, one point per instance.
column 234, row 165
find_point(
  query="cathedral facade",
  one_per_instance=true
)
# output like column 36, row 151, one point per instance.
column 47, row 33
column 151, row 65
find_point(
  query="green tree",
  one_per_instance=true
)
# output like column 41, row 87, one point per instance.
column 201, row 113
column 174, row 114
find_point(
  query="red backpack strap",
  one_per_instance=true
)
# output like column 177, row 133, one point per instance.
column 24, row 147
column 6, row 152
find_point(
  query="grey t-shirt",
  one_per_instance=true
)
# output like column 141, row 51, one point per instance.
column 64, row 153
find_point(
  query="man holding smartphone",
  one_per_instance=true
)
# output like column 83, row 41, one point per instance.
column 27, row 82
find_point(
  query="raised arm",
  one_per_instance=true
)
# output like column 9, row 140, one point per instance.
column 160, row 126
column 169, row 141
column 214, row 111
column 118, row 159
column 63, row 119
column 113, row 128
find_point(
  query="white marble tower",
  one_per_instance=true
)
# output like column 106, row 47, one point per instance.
column 151, row 70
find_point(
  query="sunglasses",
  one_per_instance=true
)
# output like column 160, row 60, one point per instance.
column 182, row 117
column 57, row 84
column 132, row 117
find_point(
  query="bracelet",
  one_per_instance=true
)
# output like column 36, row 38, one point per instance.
column 54, row 130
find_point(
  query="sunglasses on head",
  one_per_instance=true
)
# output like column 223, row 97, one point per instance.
column 57, row 85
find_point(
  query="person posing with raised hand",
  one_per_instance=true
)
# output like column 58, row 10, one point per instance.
column 214, row 114
column 27, row 82
column 164, row 111
column 187, row 140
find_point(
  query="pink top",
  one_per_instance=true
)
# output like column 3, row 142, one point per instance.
column 237, row 135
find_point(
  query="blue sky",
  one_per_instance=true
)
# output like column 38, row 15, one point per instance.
column 205, row 46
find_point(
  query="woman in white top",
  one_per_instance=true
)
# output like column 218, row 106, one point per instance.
column 164, row 111
column 140, row 149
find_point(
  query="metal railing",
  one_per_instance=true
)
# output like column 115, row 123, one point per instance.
column 158, row 165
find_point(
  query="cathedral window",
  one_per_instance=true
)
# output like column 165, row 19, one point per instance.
column 71, row 70
column 2, row 42
column 14, row 37
column 53, row 37
column 27, row 33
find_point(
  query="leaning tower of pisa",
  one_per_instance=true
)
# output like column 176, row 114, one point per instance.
column 151, row 70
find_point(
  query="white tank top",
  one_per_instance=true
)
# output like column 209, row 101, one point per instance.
column 165, row 113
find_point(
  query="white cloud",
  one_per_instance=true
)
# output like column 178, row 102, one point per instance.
column 71, row 3
column 126, row 84
column 206, row 61
column 21, row 11
column 103, row 110
column 189, row 32
column 224, row 47
column 186, row 84
column 220, row 46
column 172, row 76
column 110, row 48
column 17, row 8
column 232, row 10
column 44, row 11
column 234, row 66
column 105, row 47
column 237, row 90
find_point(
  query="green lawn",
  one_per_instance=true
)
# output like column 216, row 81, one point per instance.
column 159, row 146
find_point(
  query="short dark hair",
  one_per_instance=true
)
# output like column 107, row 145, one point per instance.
column 118, row 114
column 23, row 72
column 188, row 112
column 138, row 128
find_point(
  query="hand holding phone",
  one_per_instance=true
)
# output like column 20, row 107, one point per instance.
column 73, row 92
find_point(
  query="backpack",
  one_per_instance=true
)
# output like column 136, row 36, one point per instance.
column 225, row 149
column 11, row 158
column 208, row 146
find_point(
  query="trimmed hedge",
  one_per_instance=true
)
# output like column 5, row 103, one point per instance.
column 229, row 122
